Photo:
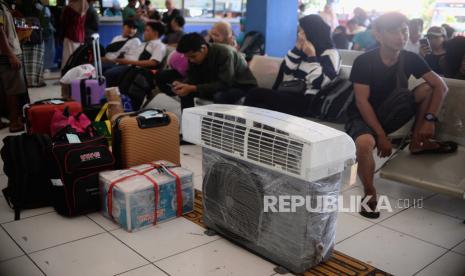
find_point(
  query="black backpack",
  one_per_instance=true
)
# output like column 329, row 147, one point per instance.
column 137, row 83
column 330, row 104
column 25, row 163
column 254, row 44
column 82, row 55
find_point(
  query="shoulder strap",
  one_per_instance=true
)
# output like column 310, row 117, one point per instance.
column 280, row 76
column 102, row 111
column 116, row 46
column 401, row 79
column 145, row 55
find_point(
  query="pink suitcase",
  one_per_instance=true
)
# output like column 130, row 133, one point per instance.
column 90, row 91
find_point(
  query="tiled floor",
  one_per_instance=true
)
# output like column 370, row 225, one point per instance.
column 409, row 241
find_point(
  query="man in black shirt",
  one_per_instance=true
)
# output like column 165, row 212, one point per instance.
column 380, row 76
column 171, row 13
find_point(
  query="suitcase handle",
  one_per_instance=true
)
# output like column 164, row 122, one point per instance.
column 158, row 119
column 51, row 99
column 146, row 122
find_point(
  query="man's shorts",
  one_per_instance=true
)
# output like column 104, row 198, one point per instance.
column 12, row 81
column 394, row 113
column 357, row 127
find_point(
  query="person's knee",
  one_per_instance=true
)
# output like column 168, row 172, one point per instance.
column 365, row 145
column 423, row 92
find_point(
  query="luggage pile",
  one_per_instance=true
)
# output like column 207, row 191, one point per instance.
column 73, row 145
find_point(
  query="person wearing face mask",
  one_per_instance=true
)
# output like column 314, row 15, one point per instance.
column 313, row 61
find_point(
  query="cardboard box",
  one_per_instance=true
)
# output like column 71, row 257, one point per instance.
column 133, row 199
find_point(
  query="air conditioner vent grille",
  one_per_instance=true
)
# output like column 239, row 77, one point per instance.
column 224, row 135
column 274, row 150
column 265, row 144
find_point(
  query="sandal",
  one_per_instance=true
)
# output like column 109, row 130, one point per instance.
column 372, row 213
column 17, row 127
column 444, row 148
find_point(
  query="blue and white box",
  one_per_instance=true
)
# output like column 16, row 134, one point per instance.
column 133, row 199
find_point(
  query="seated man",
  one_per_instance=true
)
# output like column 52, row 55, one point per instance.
column 216, row 72
column 124, row 43
column 149, row 54
column 177, row 25
column 380, row 80
column 222, row 33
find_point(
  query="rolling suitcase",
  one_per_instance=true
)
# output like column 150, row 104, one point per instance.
column 39, row 114
column 144, row 136
column 90, row 91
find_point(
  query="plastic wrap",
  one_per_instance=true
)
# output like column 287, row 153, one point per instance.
column 233, row 198
column 133, row 199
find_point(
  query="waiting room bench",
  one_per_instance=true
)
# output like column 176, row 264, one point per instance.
column 440, row 173
column 444, row 174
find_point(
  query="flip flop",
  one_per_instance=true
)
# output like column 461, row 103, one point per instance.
column 444, row 148
column 373, row 214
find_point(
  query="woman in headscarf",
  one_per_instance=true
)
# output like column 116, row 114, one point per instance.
column 73, row 21
column 313, row 62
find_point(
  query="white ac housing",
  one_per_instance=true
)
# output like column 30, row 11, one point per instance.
column 287, row 144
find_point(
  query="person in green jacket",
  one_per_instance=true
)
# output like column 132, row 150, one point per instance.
column 216, row 72
column 131, row 13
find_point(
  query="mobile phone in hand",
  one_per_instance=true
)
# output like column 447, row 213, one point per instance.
column 424, row 42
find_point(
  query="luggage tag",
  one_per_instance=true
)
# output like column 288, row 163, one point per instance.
column 57, row 102
column 150, row 114
column 73, row 138
column 152, row 118
column 57, row 182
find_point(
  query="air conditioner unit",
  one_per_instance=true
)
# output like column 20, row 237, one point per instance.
column 251, row 153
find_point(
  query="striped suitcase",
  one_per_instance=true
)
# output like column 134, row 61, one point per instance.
column 144, row 136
